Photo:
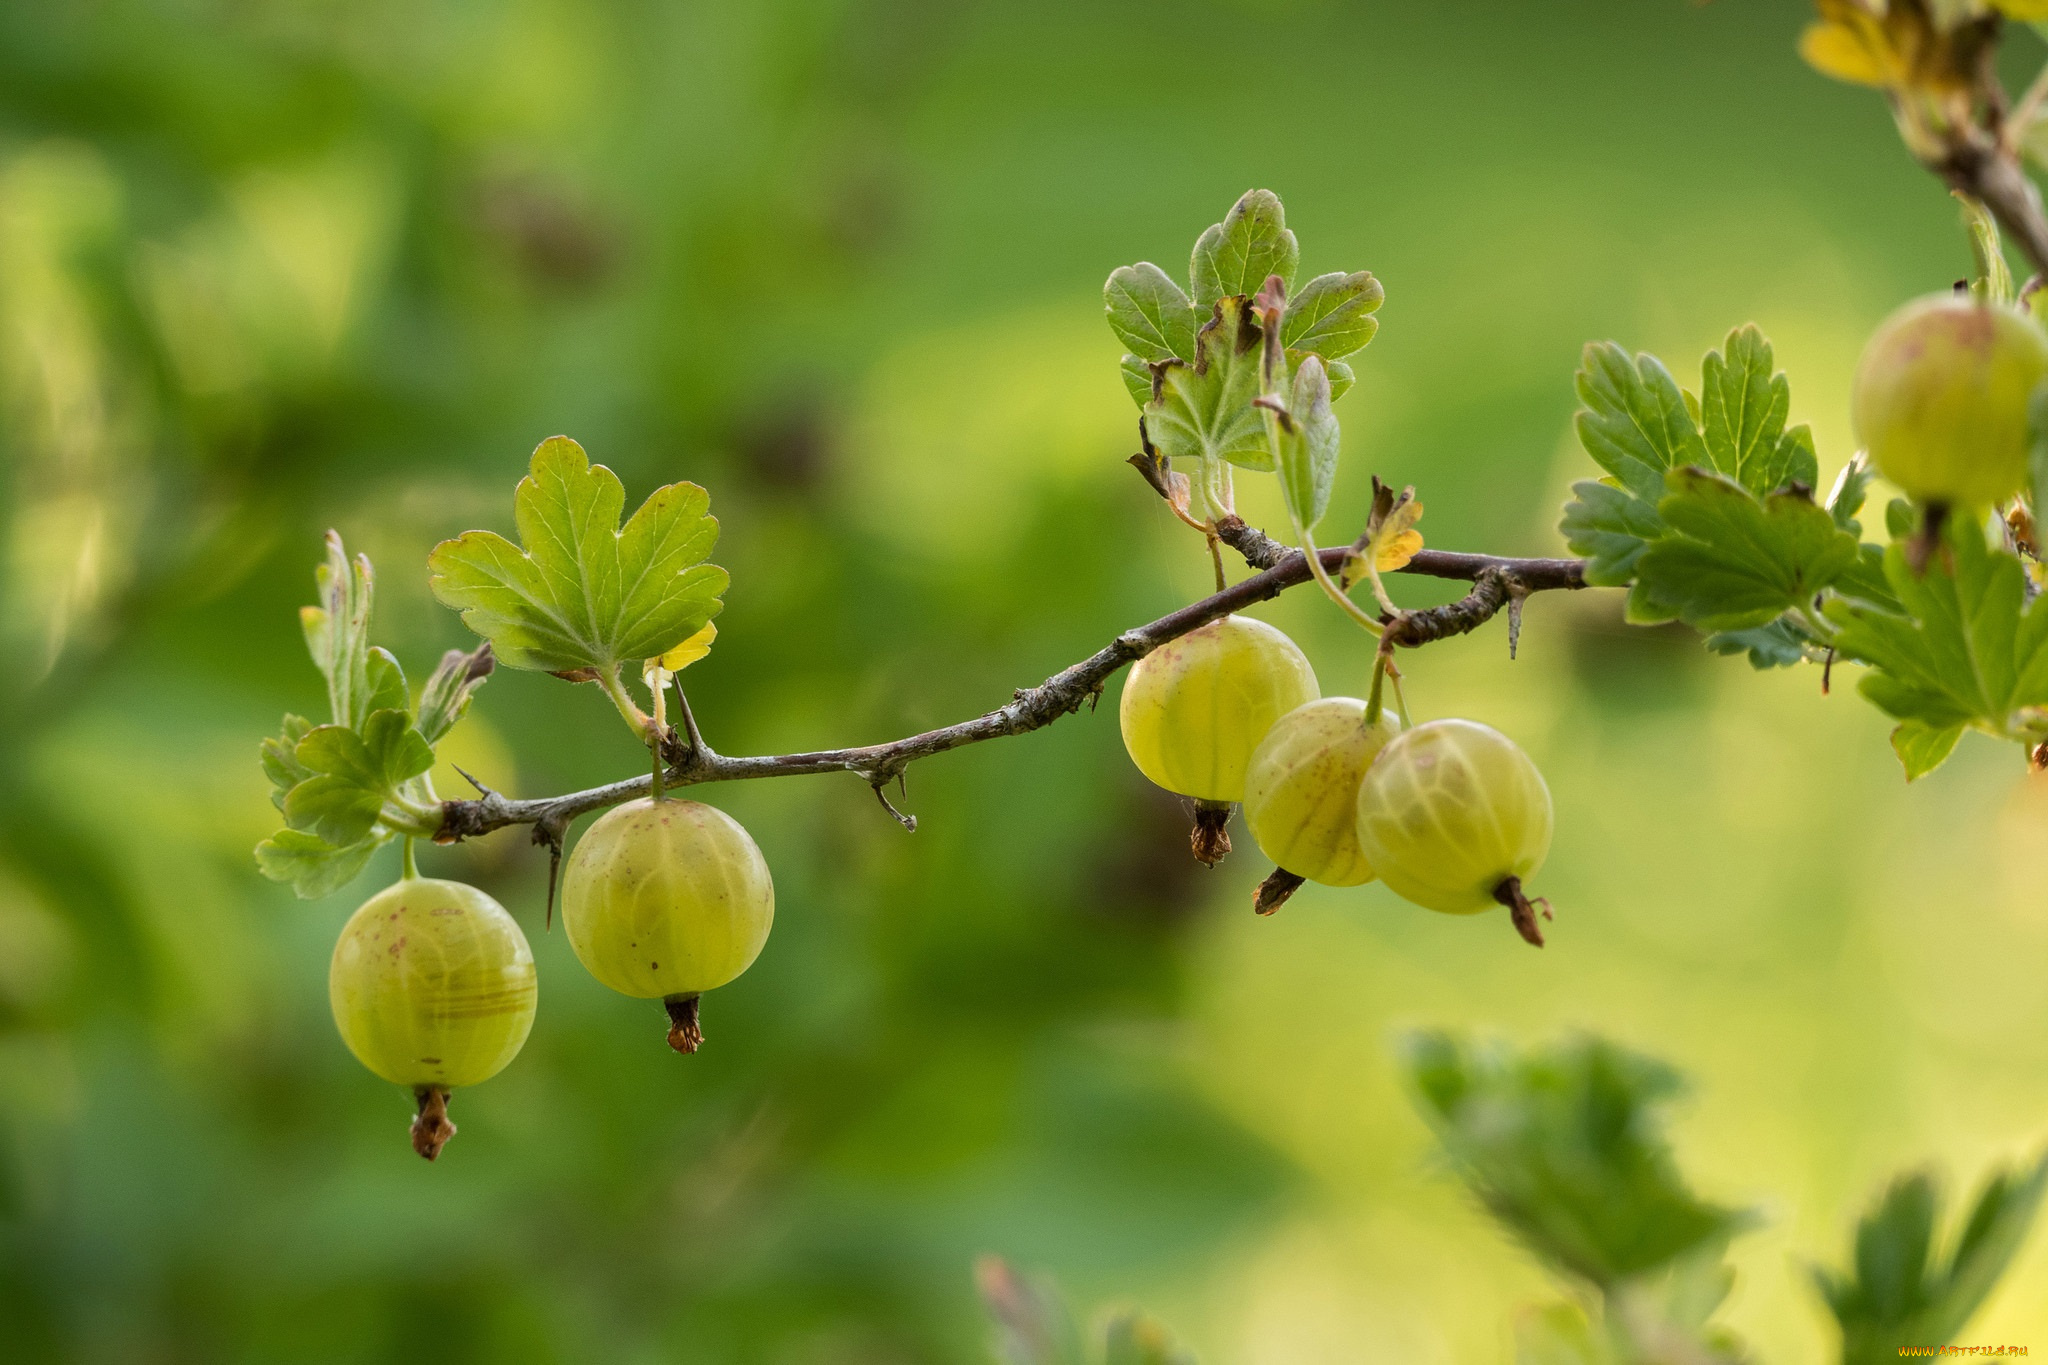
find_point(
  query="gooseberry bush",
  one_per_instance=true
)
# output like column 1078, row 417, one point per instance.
column 1702, row 505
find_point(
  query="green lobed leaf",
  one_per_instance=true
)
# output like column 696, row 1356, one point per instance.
column 1204, row 410
column 1563, row 1147
column 1966, row 648
column 1235, row 256
column 1743, row 403
column 354, row 775
column 338, row 629
column 1150, row 313
column 1639, row 425
column 1309, row 442
column 1333, row 314
column 449, row 688
column 1635, row 422
column 584, row 593
column 1734, row 562
column 313, row 866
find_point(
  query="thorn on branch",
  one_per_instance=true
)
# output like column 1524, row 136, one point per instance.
column 880, row 782
column 550, row 832
column 1516, row 596
column 482, row 790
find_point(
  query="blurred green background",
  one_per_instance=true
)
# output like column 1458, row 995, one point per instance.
column 270, row 267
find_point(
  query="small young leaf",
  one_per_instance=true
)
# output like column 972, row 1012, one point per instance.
column 1852, row 485
column 1235, row 256
column 1736, row 563
column 1309, row 443
column 313, row 866
column 338, row 631
column 1149, row 313
column 448, row 691
column 355, row 774
column 584, row 593
column 1333, row 314
column 385, row 681
column 1992, row 282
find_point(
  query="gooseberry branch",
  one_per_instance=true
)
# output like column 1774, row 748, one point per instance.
column 1496, row 581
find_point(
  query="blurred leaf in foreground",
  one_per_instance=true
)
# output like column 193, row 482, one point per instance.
column 1563, row 1147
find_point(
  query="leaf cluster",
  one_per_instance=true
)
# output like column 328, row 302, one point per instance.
column 1196, row 361
column 347, row 787
column 1565, row 1147
column 1706, row 512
